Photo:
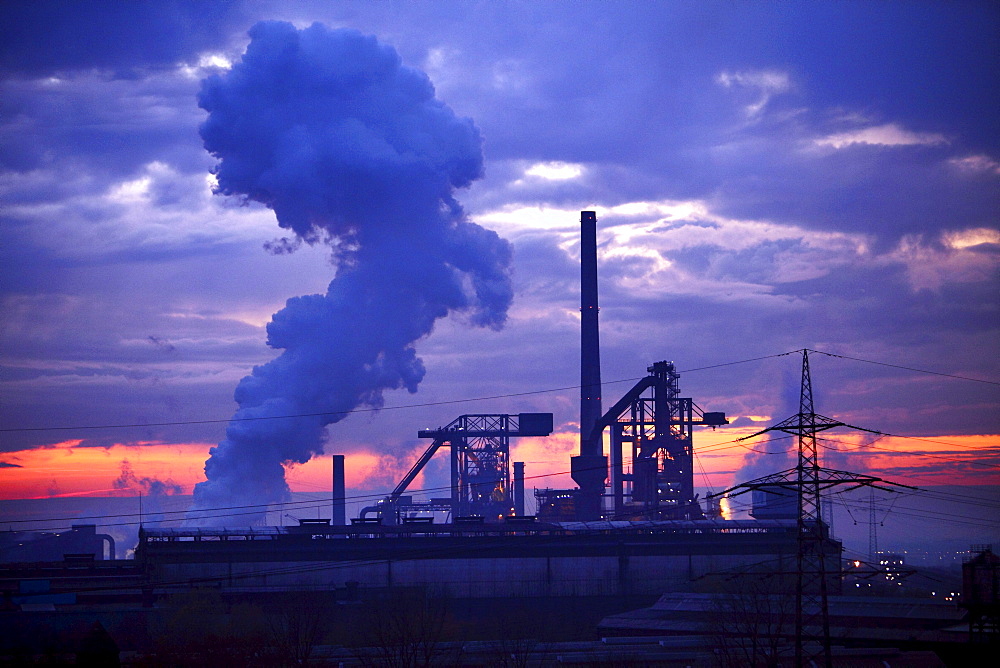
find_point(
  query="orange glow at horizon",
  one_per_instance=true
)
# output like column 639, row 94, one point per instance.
column 546, row 459
column 934, row 460
column 719, row 459
column 362, row 470
column 65, row 469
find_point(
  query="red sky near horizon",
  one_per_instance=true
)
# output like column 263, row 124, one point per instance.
column 66, row 469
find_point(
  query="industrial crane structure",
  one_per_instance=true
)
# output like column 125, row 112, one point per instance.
column 481, row 485
column 651, row 426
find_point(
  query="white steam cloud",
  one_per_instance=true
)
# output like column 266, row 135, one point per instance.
column 350, row 148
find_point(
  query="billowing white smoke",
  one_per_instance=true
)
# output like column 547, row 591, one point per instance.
column 349, row 148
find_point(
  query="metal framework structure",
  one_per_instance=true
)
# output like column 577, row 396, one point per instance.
column 654, row 424
column 981, row 594
column 480, row 466
column 810, row 480
column 872, row 530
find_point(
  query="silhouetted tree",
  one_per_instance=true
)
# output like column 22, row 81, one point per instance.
column 405, row 631
column 752, row 618
column 295, row 626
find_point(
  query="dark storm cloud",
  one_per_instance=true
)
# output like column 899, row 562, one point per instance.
column 879, row 300
column 738, row 106
column 66, row 338
column 655, row 122
column 757, row 264
column 44, row 37
column 90, row 91
column 884, row 191
column 8, row 373
column 545, row 271
column 78, row 134
column 861, row 309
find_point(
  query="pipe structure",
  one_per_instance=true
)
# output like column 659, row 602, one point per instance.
column 112, row 553
column 339, row 493
column 519, row 489
column 590, row 468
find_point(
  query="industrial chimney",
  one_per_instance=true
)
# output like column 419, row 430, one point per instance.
column 590, row 341
column 590, row 468
column 519, row 489
column 339, row 516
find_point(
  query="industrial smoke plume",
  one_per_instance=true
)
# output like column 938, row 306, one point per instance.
column 349, row 148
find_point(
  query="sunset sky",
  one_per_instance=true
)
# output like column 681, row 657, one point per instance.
column 767, row 176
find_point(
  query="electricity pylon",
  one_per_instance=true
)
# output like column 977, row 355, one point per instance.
column 810, row 480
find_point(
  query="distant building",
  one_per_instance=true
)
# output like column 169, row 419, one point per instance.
column 774, row 503
column 81, row 539
column 981, row 593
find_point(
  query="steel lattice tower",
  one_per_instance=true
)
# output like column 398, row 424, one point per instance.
column 810, row 480
column 812, row 619
column 872, row 530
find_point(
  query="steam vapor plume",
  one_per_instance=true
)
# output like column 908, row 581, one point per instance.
column 350, row 148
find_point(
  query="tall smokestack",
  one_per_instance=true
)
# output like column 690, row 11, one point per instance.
column 339, row 493
column 590, row 468
column 590, row 341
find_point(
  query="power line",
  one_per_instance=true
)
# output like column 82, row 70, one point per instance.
column 735, row 443
column 951, row 497
column 218, row 512
column 449, row 401
column 358, row 410
column 972, row 462
column 935, row 516
column 936, row 495
column 907, row 368
column 725, row 445
column 928, row 440
column 251, row 509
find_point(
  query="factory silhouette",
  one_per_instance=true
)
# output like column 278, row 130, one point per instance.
column 629, row 567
